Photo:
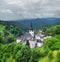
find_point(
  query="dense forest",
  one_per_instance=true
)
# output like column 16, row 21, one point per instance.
column 50, row 52
column 12, row 52
column 9, row 33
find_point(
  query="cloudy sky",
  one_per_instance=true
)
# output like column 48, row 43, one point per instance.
column 26, row 9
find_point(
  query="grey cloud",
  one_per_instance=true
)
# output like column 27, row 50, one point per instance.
column 22, row 9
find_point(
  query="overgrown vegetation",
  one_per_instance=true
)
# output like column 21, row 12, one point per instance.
column 9, row 33
column 54, row 30
column 17, row 53
column 12, row 52
column 51, row 47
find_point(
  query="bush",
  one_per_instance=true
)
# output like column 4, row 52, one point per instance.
column 58, row 56
column 52, row 31
column 50, row 55
column 52, row 43
column 18, row 53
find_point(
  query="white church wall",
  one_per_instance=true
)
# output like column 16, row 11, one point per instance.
column 31, row 32
column 18, row 41
column 39, row 44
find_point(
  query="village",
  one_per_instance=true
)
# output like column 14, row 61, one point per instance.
column 34, row 40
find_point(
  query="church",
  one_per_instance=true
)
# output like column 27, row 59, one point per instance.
column 30, row 37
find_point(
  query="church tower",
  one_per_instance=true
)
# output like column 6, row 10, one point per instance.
column 31, row 31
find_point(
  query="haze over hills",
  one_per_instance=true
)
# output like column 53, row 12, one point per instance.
column 37, row 23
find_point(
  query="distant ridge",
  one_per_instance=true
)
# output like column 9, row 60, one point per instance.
column 37, row 23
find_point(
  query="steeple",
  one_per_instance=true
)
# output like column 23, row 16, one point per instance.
column 31, row 28
column 31, row 31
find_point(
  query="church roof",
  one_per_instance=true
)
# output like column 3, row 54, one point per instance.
column 26, row 36
column 33, row 39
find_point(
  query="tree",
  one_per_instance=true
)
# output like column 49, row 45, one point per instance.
column 54, row 30
column 52, row 43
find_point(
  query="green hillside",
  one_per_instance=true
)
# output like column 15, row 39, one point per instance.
column 51, row 49
column 37, row 23
column 12, row 52
column 9, row 33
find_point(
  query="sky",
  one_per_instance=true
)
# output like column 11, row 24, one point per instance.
column 28, row 9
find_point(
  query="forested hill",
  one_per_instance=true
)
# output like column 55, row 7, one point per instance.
column 9, row 33
column 37, row 23
column 16, row 52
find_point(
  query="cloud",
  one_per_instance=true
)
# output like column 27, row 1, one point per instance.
column 23, row 9
column 6, row 11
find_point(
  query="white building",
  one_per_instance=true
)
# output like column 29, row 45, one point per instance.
column 39, row 44
column 32, row 43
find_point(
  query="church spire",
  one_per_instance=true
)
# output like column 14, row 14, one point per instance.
column 31, row 27
column 31, row 31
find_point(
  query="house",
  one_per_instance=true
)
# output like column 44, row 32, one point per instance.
column 33, row 42
column 39, row 43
